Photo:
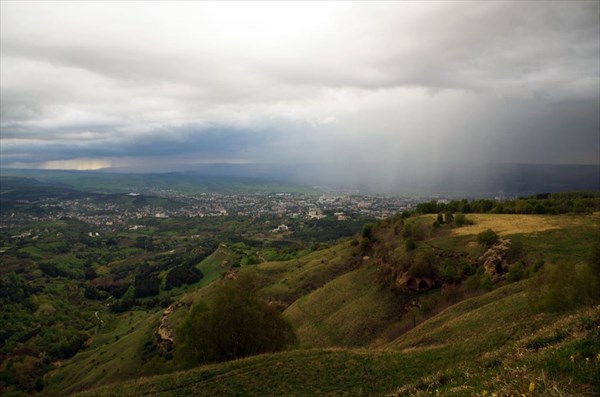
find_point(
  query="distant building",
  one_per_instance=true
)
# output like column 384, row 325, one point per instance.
column 315, row 213
column 280, row 229
column 340, row 216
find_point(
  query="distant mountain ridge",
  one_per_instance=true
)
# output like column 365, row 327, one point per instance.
column 482, row 180
column 176, row 182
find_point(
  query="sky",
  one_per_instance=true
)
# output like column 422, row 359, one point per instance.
column 357, row 87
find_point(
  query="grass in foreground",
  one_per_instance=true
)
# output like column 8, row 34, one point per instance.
column 484, row 345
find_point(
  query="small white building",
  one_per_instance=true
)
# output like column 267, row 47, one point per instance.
column 280, row 229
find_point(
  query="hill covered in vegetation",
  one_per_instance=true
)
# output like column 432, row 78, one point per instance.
column 504, row 303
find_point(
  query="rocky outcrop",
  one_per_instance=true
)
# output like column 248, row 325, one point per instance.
column 164, row 334
column 231, row 274
column 494, row 260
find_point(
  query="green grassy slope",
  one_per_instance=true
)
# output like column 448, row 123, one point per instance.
column 117, row 353
column 288, row 281
column 299, row 373
column 486, row 344
column 495, row 343
column 333, row 299
column 351, row 310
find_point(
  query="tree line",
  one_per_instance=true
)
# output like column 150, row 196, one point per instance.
column 547, row 203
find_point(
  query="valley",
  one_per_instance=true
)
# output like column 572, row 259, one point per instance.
column 404, row 305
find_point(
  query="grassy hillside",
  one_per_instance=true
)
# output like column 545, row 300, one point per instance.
column 117, row 353
column 349, row 311
column 472, row 336
column 496, row 343
column 489, row 344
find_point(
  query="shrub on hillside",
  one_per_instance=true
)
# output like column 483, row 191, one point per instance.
column 367, row 231
column 461, row 220
column 448, row 217
column 89, row 273
column 417, row 230
column 410, row 244
column 448, row 271
column 423, row 265
column 487, row 238
column 48, row 269
column 467, row 268
column 146, row 285
column 183, row 275
column 93, row 293
column 566, row 287
column 516, row 272
column 365, row 246
column 485, row 282
column 237, row 324
column 440, row 218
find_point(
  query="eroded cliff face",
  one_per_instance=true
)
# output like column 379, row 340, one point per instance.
column 165, row 341
column 494, row 260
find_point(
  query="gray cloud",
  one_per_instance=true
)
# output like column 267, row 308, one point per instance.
column 414, row 85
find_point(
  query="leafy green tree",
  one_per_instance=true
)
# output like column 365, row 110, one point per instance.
column 182, row 275
column 461, row 220
column 440, row 218
column 448, row 271
column 485, row 282
column 487, row 238
column 423, row 265
column 515, row 272
column 448, row 217
column 430, row 207
column 146, row 285
column 367, row 231
column 237, row 324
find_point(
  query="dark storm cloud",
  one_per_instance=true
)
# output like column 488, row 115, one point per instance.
column 214, row 143
column 416, row 85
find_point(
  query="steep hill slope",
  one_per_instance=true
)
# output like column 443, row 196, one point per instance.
column 484, row 345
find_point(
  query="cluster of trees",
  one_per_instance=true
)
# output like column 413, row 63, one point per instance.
column 237, row 324
column 117, row 290
column 180, row 275
column 457, row 219
column 146, row 284
column 453, row 269
column 125, row 305
column 53, row 270
column 325, row 230
column 555, row 203
column 181, row 269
